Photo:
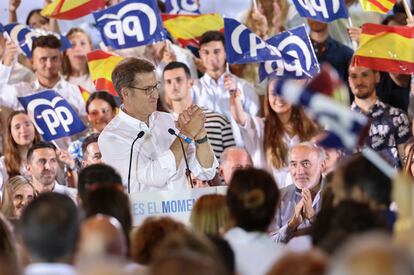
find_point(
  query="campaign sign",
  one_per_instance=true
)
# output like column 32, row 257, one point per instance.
column 322, row 10
column 52, row 115
column 244, row 46
column 176, row 204
column 182, row 7
column 23, row 36
column 130, row 23
column 296, row 43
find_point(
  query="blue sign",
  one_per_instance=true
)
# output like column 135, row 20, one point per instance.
column 296, row 43
column 244, row 46
column 23, row 36
column 130, row 23
column 52, row 115
column 322, row 10
column 182, row 7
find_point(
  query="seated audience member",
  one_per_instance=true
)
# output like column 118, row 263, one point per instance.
column 18, row 192
column 101, row 108
column 269, row 139
column 334, row 226
column 210, row 215
column 9, row 259
column 370, row 254
column 213, row 89
column 252, row 198
column 112, row 202
column 233, row 158
column 95, row 176
column 75, row 64
column 50, row 232
column 146, row 239
column 177, row 88
column 42, row 166
column 90, row 151
column 300, row 201
column 312, row 262
column 101, row 238
column 156, row 161
column 19, row 136
column 359, row 179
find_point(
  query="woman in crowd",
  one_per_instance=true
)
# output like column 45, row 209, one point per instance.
column 252, row 199
column 101, row 109
column 17, row 193
column 75, row 63
column 210, row 215
column 20, row 135
column 268, row 140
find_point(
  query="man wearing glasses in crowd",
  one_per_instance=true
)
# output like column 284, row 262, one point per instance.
column 157, row 159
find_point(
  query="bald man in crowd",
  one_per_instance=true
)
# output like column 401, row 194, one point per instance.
column 233, row 158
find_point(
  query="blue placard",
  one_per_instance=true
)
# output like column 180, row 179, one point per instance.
column 182, row 7
column 322, row 10
column 130, row 23
column 295, row 42
column 52, row 115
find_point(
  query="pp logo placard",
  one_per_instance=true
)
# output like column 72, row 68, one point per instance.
column 296, row 43
column 322, row 10
column 130, row 23
column 182, row 7
column 52, row 115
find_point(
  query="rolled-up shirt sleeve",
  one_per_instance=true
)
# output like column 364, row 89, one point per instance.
column 200, row 172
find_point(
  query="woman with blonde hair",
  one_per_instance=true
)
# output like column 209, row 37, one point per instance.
column 75, row 63
column 18, row 192
column 268, row 140
column 210, row 215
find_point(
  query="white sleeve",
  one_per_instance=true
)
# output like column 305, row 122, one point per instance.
column 252, row 135
column 8, row 97
column 5, row 72
column 249, row 98
column 199, row 171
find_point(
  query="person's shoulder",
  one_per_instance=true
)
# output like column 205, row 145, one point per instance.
column 285, row 191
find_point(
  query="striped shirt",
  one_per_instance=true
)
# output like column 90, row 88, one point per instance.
column 219, row 132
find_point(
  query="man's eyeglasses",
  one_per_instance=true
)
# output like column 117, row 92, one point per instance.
column 149, row 90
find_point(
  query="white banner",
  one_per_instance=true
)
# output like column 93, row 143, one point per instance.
column 176, row 204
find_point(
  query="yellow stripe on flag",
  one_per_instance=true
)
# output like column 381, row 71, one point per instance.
column 103, row 67
column 71, row 9
column 190, row 27
column 379, row 6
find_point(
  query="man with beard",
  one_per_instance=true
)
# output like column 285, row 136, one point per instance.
column 42, row 164
column 390, row 127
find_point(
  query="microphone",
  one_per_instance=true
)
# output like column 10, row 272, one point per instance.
column 187, row 170
column 140, row 134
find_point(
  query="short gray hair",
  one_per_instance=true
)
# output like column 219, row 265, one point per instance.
column 311, row 145
column 224, row 156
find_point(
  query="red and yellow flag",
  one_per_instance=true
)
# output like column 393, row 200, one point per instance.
column 187, row 29
column 386, row 48
column 71, row 9
column 380, row 6
column 85, row 93
column 101, row 64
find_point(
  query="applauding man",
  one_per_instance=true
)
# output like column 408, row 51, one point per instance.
column 155, row 161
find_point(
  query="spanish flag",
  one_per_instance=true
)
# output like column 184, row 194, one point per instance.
column 386, row 48
column 101, row 64
column 85, row 93
column 187, row 29
column 71, row 9
column 380, row 6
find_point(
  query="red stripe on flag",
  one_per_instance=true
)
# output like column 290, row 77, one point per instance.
column 193, row 41
column 375, row 29
column 378, row 5
column 384, row 65
column 104, row 84
column 98, row 54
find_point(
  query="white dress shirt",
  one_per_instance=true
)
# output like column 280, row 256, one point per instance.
column 253, row 137
column 212, row 95
column 15, row 74
column 49, row 269
column 65, row 190
column 153, row 165
column 254, row 252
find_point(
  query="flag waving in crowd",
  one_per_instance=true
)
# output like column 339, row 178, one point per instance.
column 72, row 9
column 380, row 6
column 386, row 48
column 182, row 7
column 323, row 10
column 101, row 64
column 130, row 23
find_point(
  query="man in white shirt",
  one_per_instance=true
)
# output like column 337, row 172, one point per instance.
column 47, row 63
column 42, row 165
column 138, row 142
column 214, row 88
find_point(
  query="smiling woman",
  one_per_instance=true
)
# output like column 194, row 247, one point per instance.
column 17, row 193
column 20, row 135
